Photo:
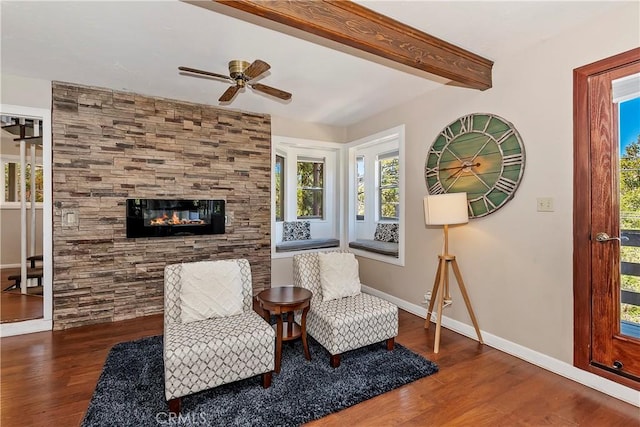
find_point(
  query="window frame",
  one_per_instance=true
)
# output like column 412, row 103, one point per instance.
column 291, row 149
column 386, row 141
column 359, row 184
column 313, row 189
column 12, row 158
column 281, row 197
column 380, row 187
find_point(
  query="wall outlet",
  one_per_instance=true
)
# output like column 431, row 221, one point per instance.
column 544, row 204
column 427, row 297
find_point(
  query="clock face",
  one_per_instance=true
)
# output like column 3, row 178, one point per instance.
column 480, row 154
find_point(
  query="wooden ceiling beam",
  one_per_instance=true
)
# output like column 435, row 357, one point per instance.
column 356, row 26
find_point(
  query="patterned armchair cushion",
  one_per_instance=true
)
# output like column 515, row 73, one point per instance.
column 386, row 232
column 347, row 323
column 207, row 353
column 296, row 230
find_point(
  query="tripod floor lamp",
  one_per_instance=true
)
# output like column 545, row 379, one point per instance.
column 445, row 210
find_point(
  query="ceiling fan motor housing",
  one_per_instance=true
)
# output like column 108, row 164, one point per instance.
column 236, row 71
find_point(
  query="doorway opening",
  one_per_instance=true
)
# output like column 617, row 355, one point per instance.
column 607, row 219
column 25, row 213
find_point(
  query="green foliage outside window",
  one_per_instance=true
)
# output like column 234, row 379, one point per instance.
column 389, row 188
column 12, row 182
column 279, row 178
column 360, row 194
column 630, row 220
column 310, row 192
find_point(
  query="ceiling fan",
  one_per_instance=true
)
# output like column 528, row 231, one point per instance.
column 242, row 74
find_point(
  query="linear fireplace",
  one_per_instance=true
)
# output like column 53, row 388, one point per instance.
column 160, row 218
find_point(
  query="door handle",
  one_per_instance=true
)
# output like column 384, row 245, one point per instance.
column 604, row 237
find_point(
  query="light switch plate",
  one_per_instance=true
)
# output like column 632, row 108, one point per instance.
column 69, row 217
column 544, row 204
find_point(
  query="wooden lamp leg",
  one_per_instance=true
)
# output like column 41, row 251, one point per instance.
column 465, row 296
column 443, row 287
column 434, row 292
column 441, row 290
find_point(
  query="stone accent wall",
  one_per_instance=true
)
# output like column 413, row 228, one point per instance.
column 109, row 146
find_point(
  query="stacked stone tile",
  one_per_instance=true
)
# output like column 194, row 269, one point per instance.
column 109, row 146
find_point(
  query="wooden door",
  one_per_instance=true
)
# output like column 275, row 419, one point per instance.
column 600, row 345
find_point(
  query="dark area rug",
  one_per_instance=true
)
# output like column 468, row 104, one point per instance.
column 130, row 391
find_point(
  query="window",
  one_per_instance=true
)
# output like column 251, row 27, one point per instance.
column 279, row 187
column 310, row 194
column 388, row 187
column 375, row 193
column 306, row 187
column 11, row 180
column 360, row 188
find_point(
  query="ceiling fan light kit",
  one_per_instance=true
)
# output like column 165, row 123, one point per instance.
column 242, row 74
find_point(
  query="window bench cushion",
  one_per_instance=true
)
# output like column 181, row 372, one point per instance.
column 384, row 248
column 301, row 245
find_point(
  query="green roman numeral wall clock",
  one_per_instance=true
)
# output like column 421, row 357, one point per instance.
column 480, row 154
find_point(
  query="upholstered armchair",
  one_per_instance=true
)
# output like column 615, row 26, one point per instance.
column 346, row 323
column 204, row 353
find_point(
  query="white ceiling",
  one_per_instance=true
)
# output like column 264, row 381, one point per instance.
column 138, row 46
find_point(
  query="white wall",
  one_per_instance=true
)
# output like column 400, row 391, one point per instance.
column 516, row 262
column 304, row 130
column 25, row 92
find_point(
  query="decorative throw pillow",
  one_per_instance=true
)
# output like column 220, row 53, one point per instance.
column 296, row 230
column 210, row 289
column 387, row 232
column 339, row 276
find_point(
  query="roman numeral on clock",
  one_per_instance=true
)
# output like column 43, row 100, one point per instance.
column 504, row 136
column 466, row 124
column 506, row 185
column 488, row 203
column 436, row 188
column 447, row 133
column 430, row 172
column 513, row 159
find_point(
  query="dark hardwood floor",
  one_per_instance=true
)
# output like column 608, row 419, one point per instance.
column 15, row 306
column 48, row 378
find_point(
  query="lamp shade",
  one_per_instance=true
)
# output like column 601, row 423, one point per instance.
column 441, row 209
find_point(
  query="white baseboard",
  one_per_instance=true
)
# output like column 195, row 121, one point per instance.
column 556, row 366
column 25, row 327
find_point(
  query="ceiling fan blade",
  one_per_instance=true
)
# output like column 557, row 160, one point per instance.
column 271, row 91
column 205, row 73
column 229, row 94
column 256, row 68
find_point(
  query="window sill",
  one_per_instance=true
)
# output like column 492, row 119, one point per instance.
column 314, row 245
column 383, row 248
column 299, row 245
column 378, row 257
column 16, row 206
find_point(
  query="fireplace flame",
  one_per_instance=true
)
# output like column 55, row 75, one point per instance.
column 174, row 220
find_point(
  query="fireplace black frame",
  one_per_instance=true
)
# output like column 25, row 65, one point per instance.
column 200, row 217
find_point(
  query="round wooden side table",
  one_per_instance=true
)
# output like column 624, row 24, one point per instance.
column 286, row 299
